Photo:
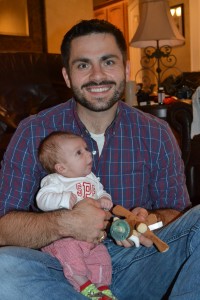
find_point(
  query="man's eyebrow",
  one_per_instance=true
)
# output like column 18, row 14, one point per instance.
column 104, row 57
column 87, row 60
column 80, row 59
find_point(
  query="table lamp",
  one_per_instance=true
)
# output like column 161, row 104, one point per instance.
column 157, row 34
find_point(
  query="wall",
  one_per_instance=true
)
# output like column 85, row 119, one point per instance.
column 135, row 53
column 195, row 34
column 60, row 18
column 183, row 53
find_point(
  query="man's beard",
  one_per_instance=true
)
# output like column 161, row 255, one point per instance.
column 100, row 104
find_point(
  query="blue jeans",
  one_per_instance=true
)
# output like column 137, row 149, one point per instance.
column 138, row 273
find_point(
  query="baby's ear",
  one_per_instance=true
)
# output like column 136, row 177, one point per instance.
column 59, row 168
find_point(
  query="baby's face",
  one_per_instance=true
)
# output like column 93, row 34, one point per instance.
column 76, row 158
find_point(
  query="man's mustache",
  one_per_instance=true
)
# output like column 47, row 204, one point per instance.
column 93, row 83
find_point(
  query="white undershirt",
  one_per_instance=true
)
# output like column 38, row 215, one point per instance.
column 99, row 138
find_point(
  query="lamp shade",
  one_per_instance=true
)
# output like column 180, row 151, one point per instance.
column 156, row 24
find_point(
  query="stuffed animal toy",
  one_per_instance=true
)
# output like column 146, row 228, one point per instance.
column 131, row 228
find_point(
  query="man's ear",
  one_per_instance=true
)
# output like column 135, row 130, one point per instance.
column 66, row 77
column 59, row 168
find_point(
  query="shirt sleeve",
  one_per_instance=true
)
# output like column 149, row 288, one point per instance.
column 51, row 196
column 167, row 186
column 18, row 181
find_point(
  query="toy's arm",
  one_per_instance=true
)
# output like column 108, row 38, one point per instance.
column 162, row 246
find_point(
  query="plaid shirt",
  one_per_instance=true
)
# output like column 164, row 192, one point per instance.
column 140, row 164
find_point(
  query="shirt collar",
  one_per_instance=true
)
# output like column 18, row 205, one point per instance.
column 110, row 129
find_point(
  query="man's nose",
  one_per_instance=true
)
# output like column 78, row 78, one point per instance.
column 97, row 73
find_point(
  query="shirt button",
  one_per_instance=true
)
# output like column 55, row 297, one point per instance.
column 94, row 152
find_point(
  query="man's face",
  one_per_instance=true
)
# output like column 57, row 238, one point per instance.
column 96, row 71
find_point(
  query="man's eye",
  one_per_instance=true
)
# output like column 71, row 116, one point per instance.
column 83, row 66
column 109, row 62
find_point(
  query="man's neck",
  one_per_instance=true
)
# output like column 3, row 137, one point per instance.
column 96, row 122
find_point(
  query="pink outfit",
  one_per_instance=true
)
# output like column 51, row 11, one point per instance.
column 82, row 258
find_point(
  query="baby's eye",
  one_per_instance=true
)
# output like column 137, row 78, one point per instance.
column 86, row 148
column 79, row 152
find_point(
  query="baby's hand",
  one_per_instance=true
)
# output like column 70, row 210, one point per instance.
column 106, row 203
column 72, row 200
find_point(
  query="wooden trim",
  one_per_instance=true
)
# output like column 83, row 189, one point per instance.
column 106, row 3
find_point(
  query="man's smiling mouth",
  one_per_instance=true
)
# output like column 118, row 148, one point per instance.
column 101, row 87
column 98, row 89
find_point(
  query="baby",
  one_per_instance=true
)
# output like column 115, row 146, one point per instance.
column 66, row 158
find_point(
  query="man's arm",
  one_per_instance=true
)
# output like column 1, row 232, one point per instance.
column 35, row 230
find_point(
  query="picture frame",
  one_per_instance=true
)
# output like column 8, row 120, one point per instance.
column 177, row 12
column 35, row 39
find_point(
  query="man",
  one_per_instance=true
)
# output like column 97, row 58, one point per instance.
column 137, row 160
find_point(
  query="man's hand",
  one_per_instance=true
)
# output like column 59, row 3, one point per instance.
column 87, row 221
column 142, row 214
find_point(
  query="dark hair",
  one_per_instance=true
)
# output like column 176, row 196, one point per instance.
column 86, row 27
